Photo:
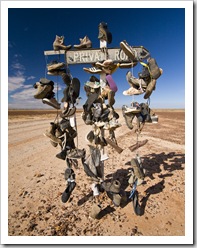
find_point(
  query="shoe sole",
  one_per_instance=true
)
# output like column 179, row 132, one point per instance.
column 47, row 101
column 127, row 51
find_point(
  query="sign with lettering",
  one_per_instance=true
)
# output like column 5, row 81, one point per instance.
column 90, row 56
column 93, row 55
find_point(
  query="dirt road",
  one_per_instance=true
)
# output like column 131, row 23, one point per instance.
column 36, row 181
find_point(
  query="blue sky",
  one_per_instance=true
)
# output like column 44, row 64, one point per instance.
column 31, row 31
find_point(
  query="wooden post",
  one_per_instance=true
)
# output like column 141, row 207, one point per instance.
column 103, row 45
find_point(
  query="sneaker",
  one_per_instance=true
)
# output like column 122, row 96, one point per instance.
column 42, row 90
column 135, row 108
column 55, row 65
column 93, row 70
column 132, row 91
column 128, row 50
column 104, row 33
column 76, row 153
column 84, row 43
column 150, row 88
column 51, row 102
column 58, row 44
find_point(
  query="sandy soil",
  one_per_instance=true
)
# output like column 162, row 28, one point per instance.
column 36, row 181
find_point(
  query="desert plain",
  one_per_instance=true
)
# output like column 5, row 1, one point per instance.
column 36, row 180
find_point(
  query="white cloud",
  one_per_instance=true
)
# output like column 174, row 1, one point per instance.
column 30, row 77
column 17, row 66
column 15, row 82
column 26, row 94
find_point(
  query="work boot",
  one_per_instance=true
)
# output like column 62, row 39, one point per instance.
column 84, row 43
column 51, row 133
column 58, row 44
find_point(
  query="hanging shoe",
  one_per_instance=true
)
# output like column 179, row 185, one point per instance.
column 127, row 65
column 51, row 102
column 128, row 50
column 66, row 78
column 68, row 112
column 76, row 153
column 58, row 44
column 94, row 79
column 55, row 65
column 84, row 43
column 129, row 116
column 93, row 85
column 135, row 108
column 132, row 91
column 51, row 133
column 150, row 88
column 93, row 70
column 113, row 124
column 42, row 90
column 138, row 171
column 104, row 64
column 61, row 155
column 53, row 143
column 45, row 81
column 136, row 82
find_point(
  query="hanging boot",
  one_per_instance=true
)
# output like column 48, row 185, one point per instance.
column 51, row 133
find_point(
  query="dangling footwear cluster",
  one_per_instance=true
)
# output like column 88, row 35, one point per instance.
column 98, row 112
